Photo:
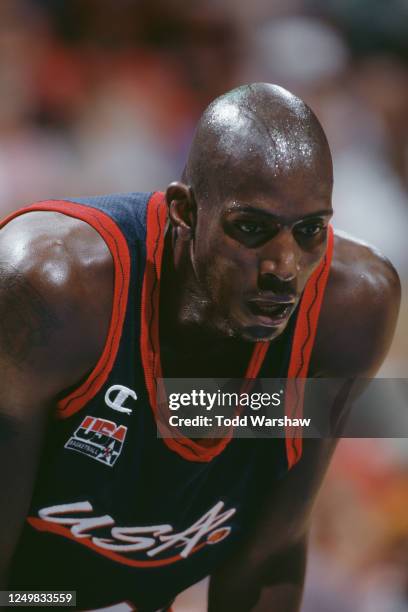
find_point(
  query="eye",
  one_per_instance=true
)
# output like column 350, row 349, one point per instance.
column 310, row 230
column 247, row 227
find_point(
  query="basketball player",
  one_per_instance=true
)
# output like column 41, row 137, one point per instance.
column 235, row 272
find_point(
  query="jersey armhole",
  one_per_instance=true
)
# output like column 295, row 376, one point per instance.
column 118, row 247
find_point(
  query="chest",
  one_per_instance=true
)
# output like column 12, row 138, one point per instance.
column 227, row 363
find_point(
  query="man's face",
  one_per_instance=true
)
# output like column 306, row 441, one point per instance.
column 256, row 245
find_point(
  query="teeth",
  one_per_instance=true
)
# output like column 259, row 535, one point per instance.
column 272, row 309
column 275, row 309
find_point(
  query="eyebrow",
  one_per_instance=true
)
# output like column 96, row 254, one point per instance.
column 325, row 212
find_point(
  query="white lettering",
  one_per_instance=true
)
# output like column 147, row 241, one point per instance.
column 153, row 539
column 130, row 534
column 191, row 536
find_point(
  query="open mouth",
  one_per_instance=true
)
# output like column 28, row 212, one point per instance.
column 271, row 311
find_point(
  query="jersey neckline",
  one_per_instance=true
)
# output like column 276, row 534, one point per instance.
column 300, row 351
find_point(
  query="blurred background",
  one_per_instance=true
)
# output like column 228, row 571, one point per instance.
column 102, row 96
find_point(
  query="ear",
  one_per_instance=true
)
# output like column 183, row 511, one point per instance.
column 182, row 209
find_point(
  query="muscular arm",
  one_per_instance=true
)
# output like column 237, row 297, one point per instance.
column 356, row 327
column 26, row 324
column 44, row 277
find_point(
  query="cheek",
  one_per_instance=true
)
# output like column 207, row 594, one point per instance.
column 309, row 263
column 226, row 268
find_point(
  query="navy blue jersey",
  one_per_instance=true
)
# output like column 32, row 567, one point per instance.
column 117, row 513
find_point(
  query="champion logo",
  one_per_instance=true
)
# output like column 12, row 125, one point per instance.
column 145, row 546
column 116, row 401
column 98, row 438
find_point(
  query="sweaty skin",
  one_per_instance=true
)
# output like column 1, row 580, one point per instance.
column 247, row 226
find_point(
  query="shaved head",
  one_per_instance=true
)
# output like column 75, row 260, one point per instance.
column 250, row 217
column 259, row 128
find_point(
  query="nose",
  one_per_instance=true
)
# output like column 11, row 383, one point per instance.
column 280, row 257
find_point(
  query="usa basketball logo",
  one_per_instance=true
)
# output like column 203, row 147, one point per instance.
column 98, row 438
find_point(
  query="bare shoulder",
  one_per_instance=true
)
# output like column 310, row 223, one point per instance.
column 359, row 312
column 56, row 283
column 55, row 292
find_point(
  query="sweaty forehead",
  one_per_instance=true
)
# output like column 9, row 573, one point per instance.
column 280, row 142
column 264, row 132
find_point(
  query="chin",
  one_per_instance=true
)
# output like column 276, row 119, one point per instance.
column 250, row 333
column 242, row 329
column 259, row 333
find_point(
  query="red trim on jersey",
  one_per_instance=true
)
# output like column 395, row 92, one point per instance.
column 149, row 335
column 118, row 247
column 150, row 345
column 303, row 341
